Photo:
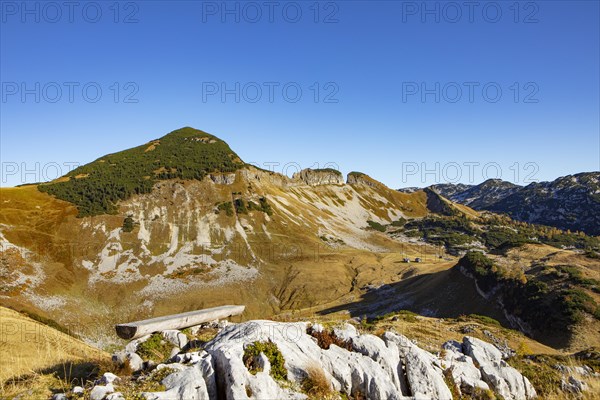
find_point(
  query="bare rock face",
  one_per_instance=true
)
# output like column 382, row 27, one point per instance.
column 358, row 178
column 504, row 379
column 316, row 177
column 465, row 374
column 176, row 338
column 423, row 370
column 195, row 382
column 223, row 179
column 573, row 385
column 99, row 392
column 387, row 356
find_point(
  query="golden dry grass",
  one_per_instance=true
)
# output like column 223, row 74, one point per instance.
column 316, row 385
column 27, row 346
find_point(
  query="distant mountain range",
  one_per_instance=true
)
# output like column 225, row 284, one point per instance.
column 571, row 202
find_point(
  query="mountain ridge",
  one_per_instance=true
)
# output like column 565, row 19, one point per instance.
column 570, row 202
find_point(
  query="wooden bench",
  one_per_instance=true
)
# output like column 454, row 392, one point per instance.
column 133, row 330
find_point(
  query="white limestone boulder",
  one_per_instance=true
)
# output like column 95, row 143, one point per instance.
column 186, row 383
column 423, row 370
column 227, row 350
column 175, row 337
column 387, row 356
column 502, row 378
column 136, row 363
column 99, row 392
column 107, row 378
column 464, row 372
column 359, row 374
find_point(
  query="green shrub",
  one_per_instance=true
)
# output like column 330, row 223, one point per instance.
column 592, row 254
column 575, row 276
column 376, row 226
column 227, row 207
column 328, row 170
column 484, row 319
column 400, row 222
column 155, row 348
column 128, row 224
column 496, row 232
column 452, row 232
column 499, row 237
column 240, row 207
column 270, row 350
column 578, row 300
column 263, row 206
column 405, row 315
column 477, row 263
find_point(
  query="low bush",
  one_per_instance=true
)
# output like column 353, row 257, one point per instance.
column 316, row 385
column 400, row 222
column 404, row 315
column 155, row 348
column 484, row 319
column 240, row 206
column 270, row 350
column 128, row 224
column 326, row 338
column 263, row 206
column 376, row 226
column 227, row 207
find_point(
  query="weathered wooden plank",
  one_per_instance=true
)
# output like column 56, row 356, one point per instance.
column 133, row 330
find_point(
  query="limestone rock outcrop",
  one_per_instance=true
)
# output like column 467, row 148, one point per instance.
column 316, row 177
column 358, row 178
column 504, row 379
column 358, row 365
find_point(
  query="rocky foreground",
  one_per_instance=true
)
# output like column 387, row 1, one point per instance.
column 272, row 360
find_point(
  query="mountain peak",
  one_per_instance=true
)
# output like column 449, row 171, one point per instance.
column 185, row 153
column 496, row 182
column 189, row 132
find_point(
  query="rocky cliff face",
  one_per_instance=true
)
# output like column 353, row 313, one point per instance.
column 358, row 178
column 316, row 177
column 223, row 179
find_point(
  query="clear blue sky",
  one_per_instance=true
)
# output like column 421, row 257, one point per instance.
column 370, row 57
